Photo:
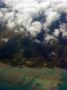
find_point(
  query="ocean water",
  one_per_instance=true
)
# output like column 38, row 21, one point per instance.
column 4, row 86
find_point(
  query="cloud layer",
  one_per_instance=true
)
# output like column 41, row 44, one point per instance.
column 42, row 20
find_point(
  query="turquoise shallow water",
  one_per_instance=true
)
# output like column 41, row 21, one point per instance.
column 4, row 86
column 63, row 86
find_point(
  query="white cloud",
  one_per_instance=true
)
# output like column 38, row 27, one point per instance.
column 35, row 28
column 63, row 30
column 52, row 17
column 4, row 40
column 56, row 32
column 49, row 37
column 19, row 13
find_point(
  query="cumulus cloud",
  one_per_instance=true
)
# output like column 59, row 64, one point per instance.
column 34, row 17
column 23, row 12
